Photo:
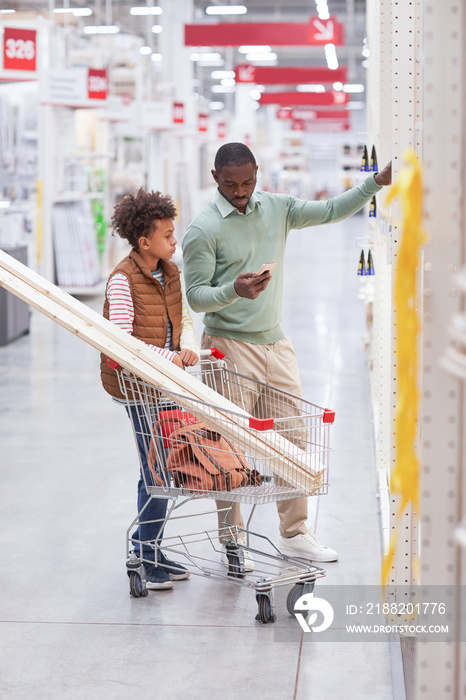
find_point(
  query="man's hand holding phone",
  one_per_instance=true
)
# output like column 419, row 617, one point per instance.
column 250, row 284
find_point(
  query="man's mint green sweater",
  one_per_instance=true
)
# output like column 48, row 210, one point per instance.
column 221, row 242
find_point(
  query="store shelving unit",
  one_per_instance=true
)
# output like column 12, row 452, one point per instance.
column 416, row 99
column 350, row 159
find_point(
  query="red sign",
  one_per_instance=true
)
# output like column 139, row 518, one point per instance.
column 313, row 99
column 329, row 126
column 19, row 49
column 202, row 123
column 307, row 115
column 221, row 130
column 278, row 75
column 323, row 31
column 97, row 84
column 178, row 113
column 317, row 32
column 246, row 74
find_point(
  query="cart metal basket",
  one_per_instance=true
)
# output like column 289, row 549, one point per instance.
column 274, row 447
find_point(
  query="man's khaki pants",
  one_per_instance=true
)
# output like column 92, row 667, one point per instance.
column 276, row 365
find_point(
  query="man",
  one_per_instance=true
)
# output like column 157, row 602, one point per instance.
column 223, row 248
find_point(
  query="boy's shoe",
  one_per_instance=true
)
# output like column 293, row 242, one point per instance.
column 248, row 558
column 307, row 546
column 175, row 571
column 157, row 579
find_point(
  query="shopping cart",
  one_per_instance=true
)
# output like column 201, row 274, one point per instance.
column 274, row 447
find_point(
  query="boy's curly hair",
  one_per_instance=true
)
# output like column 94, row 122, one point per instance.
column 137, row 215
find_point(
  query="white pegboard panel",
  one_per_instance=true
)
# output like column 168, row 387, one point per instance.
column 441, row 667
column 395, row 81
column 406, row 117
column 379, row 117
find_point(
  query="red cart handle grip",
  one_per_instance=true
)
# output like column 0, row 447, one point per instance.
column 111, row 363
column 213, row 352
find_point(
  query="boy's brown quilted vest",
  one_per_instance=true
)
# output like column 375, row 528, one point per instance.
column 151, row 303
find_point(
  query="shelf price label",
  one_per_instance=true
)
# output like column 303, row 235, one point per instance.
column 19, row 49
column 97, row 84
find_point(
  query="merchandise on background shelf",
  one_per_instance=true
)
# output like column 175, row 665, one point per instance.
column 365, row 161
column 362, row 265
column 75, row 245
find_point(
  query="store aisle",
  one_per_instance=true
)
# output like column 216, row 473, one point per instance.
column 68, row 627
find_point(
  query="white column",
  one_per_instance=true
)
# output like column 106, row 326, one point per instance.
column 245, row 116
column 178, row 148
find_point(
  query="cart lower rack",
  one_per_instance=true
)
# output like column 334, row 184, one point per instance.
column 185, row 455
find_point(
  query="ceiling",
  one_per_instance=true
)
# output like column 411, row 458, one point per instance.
column 351, row 13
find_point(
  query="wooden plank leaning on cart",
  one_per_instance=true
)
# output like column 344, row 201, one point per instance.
column 289, row 463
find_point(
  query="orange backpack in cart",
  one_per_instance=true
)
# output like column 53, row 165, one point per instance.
column 200, row 459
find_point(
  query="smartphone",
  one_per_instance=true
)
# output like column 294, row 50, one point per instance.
column 266, row 267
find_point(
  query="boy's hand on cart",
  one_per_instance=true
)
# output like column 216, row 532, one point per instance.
column 249, row 285
column 178, row 361
column 188, row 357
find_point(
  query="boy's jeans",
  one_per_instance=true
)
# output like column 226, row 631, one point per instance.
column 157, row 507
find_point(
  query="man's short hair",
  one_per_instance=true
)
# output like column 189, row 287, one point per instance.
column 235, row 154
column 137, row 215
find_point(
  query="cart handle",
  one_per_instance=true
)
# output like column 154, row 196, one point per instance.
column 329, row 416
column 213, row 352
column 112, row 363
column 209, row 352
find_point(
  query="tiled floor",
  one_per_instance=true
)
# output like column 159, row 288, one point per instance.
column 68, row 627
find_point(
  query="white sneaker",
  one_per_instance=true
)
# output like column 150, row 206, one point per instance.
column 307, row 546
column 248, row 558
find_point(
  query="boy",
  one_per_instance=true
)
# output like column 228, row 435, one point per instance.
column 144, row 298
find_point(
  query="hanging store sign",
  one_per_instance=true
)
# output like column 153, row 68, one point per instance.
column 178, row 113
column 309, row 115
column 278, row 75
column 316, row 32
column 327, row 126
column 73, row 87
column 63, row 87
column 97, row 84
column 221, row 130
column 313, row 99
column 202, row 121
column 19, row 49
column 155, row 116
column 323, row 31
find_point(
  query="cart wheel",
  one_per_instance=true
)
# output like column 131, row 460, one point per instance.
column 265, row 613
column 235, row 563
column 295, row 593
column 136, row 588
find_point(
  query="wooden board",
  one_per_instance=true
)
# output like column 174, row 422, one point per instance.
column 292, row 465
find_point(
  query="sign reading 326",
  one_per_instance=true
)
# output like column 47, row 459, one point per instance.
column 19, row 49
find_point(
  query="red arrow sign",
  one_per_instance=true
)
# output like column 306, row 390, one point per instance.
column 246, row 74
column 290, row 99
column 278, row 75
column 323, row 31
column 265, row 33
